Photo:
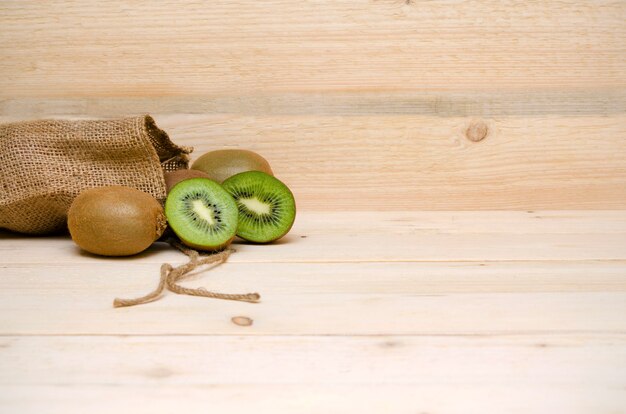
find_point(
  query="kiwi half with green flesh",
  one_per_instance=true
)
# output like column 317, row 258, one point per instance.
column 267, row 208
column 202, row 214
column 223, row 164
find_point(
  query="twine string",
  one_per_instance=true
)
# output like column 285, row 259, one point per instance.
column 171, row 275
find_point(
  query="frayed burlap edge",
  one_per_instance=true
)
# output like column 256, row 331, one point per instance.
column 172, row 157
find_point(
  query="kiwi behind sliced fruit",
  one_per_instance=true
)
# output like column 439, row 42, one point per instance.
column 267, row 208
column 115, row 220
column 174, row 177
column 222, row 164
column 202, row 214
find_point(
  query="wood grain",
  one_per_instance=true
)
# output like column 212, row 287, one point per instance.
column 369, row 111
column 571, row 360
column 454, row 397
column 67, row 48
column 411, row 278
column 80, row 312
column 322, row 237
column 542, row 374
column 408, row 273
column 393, row 162
column 357, row 105
column 423, row 331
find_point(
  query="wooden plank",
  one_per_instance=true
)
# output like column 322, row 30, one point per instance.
column 408, row 162
column 549, row 361
column 357, row 105
column 65, row 48
column 103, row 280
column 580, row 102
column 420, row 297
column 454, row 222
column 411, row 268
column 321, row 298
column 596, row 222
column 75, row 313
column 400, row 162
column 353, row 247
column 457, row 398
column 346, row 237
column 543, row 374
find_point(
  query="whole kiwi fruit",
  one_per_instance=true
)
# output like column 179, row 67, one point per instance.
column 115, row 220
column 223, row 164
column 174, row 177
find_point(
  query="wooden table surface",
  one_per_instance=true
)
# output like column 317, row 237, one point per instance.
column 370, row 312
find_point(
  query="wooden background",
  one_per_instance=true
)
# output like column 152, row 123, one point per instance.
column 358, row 105
column 389, row 107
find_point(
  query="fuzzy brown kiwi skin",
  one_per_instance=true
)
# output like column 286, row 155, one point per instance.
column 223, row 164
column 174, row 177
column 115, row 220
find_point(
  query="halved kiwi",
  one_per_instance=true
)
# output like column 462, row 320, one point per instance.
column 267, row 208
column 202, row 214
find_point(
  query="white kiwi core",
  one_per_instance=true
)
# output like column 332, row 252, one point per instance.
column 203, row 211
column 255, row 205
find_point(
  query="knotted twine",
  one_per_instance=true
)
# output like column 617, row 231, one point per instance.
column 171, row 275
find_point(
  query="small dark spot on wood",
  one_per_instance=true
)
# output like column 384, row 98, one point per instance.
column 159, row 372
column 242, row 320
column 482, row 264
column 303, row 237
column 408, row 2
column 541, row 345
column 530, row 211
column 5, row 345
column 477, row 131
column 390, row 344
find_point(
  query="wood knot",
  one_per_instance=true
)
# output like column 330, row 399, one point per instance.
column 477, row 131
column 241, row 320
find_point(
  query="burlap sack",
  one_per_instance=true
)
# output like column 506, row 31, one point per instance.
column 45, row 164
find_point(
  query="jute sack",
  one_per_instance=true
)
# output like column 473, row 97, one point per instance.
column 45, row 164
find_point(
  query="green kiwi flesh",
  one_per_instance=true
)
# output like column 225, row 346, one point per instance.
column 115, row 220
column 267, row 208
column 222, row 164
column 202, row 214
